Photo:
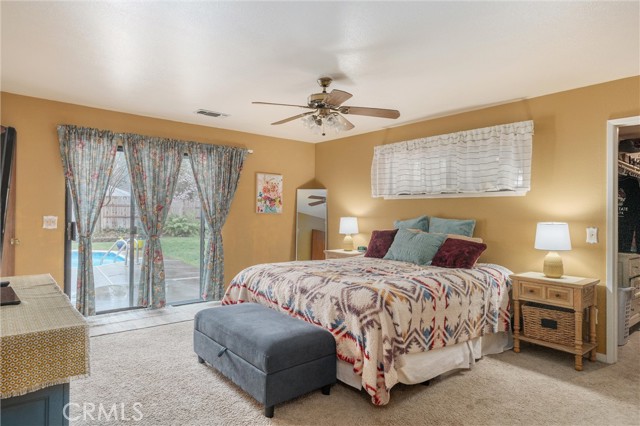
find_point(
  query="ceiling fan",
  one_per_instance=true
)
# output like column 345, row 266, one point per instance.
column 328, row 111
column 320, row 198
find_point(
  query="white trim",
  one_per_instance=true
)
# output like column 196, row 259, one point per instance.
column 521, row 193
column 612, row 234
column 601, row 357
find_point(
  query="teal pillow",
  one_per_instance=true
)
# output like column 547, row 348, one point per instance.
column 421, row 223
column 414, row 247
column 452, row 226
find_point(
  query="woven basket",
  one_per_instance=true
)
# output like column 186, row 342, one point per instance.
column 555, row 325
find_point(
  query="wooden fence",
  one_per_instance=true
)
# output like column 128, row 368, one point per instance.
column 116, row 214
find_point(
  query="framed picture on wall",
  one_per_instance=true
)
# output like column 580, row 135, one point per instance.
column 268, row 193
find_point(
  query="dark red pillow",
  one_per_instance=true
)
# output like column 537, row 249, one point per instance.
column 455, row 253
column 380, row 243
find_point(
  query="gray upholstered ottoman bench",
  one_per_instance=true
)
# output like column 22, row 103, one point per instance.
column 270, row 355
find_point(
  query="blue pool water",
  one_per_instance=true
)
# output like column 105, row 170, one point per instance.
column 97, row 258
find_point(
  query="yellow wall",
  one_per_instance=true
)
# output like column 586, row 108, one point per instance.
column 568, row 179
column 249, row 238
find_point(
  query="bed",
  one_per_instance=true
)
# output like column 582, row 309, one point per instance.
column 394, row 322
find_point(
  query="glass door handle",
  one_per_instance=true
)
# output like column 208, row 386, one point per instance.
column 71, row 231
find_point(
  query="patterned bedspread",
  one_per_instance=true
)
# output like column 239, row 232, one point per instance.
column 380, row 309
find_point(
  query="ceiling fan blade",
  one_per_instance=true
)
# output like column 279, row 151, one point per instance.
column 337, row 97
column 371, row 112
column 345, row 123
column 286, row 120
column 316, row 203
column 317, row 197
column 271, row 103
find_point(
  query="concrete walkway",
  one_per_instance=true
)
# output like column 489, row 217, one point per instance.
column 112, row 283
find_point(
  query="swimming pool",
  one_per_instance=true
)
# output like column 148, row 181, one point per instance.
column 98, row 256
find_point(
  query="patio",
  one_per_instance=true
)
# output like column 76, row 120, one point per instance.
column 112, row 284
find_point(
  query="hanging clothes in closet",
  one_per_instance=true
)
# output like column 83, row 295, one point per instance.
column 628, row 214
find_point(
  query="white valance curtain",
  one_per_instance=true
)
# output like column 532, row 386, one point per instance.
column 489, row 160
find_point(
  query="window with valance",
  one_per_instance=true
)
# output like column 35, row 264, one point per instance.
column 490, row 161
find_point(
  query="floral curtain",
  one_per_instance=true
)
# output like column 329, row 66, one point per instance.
column 87, row 159
column 217, row 170
column 153, row 165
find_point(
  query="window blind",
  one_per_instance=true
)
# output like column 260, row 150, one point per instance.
column 492, row 160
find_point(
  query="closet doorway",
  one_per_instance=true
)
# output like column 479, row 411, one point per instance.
column 622, row 184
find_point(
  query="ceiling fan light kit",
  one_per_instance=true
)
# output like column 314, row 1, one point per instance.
column 319, row 125
column 327, row 110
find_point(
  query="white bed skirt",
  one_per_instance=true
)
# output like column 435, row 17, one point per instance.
column 420, row 367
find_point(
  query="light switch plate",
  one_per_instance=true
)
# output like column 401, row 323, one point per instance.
column 592, row 235
column 50, row 222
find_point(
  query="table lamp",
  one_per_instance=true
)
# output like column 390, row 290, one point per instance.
column 553, row 236
column 348, row 226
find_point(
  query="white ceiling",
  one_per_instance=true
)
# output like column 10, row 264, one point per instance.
column 426, row 59
column 303, row 204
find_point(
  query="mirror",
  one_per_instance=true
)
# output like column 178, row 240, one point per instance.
column 311, row 224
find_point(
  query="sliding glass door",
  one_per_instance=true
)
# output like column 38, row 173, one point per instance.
column 118, row 244
column 182, row 240
column 117, row 247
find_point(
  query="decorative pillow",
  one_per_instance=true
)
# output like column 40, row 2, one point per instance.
column 421, row 223
column 456, row 236
column 380, row 243
column 464, row 237
column 414, row 247
column 452, row 226
column 457, row 253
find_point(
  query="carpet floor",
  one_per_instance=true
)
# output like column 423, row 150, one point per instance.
column 151, row 377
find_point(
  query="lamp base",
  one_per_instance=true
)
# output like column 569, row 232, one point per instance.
column 553, row 267
column 347, row 244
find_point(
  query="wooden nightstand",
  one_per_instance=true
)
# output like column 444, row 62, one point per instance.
column 339, row 254
column 573, row 293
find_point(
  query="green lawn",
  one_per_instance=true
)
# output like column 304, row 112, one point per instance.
column 186, row 249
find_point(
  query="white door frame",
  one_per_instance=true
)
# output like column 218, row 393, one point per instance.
column 612, row 233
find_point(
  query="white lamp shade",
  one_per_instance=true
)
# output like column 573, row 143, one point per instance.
column 553, row 236
column 348, row 225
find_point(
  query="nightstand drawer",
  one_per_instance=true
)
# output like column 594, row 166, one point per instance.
column 560, row 296
column 529, row 291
